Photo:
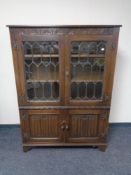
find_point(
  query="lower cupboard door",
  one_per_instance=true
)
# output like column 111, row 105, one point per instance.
column 87, row 128
column 42, row 127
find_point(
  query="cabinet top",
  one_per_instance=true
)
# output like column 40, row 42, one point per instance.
column 63, row 26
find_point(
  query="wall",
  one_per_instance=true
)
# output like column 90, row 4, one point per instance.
column 66, row 12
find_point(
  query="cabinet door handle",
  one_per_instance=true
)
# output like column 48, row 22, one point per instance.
column 62, row 126
column 67, row 127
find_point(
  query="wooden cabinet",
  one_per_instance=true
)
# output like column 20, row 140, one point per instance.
column 64, row 77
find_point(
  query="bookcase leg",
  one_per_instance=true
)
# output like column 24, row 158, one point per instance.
column 102, row 148
column 26, row 148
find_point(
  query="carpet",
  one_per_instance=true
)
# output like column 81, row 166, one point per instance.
column 62, row 161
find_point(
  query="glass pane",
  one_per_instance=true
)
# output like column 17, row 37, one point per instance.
column 87, row 69
column 88, row 47
column 47, row 90
column 38, row 90
column 30, row 91
column 55, row 90
column 42, row 70
column 74, row 90
column 90, row 90
column 82, row 90
column 98, row 90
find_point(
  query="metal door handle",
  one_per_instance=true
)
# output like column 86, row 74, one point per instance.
column 62, row 126
column 67, row 127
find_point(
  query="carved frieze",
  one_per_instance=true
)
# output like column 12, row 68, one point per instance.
column 64, row 31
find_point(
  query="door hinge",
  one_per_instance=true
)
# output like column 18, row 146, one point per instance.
column 21, row 97
column 24, row 117
column 15, row 45
column 106, row 97
column 113, row 45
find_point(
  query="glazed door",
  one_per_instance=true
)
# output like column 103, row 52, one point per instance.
column 41, row 70
column 88, row 67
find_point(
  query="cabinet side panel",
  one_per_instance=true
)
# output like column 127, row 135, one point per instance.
column 103, row 125
column 14, row 46
column 25, row 127
column 112, row 62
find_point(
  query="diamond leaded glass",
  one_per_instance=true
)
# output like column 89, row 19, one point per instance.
column 87, row 69
column 42, row 70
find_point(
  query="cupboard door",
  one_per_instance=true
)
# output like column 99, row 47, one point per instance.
column 41, row 70
column 42, row 126
column 87, row 126
column 88, row 67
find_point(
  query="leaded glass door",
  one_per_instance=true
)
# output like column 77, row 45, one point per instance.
column 42, row 65
column 87, row 69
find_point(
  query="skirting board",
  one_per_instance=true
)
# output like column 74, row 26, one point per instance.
column 110, row 125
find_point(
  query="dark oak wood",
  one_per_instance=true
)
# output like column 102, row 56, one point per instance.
column 65, row 121
column 63, row 107
column 63, row 26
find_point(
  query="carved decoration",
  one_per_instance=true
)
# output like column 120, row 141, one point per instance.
column 64, row 31
column 24, row 117
column 40, row 117
column 103, row 121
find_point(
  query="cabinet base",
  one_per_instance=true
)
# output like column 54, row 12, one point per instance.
column 102, row 147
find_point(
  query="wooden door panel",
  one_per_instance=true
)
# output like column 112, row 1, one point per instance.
column 42, row 126
column 86, row 126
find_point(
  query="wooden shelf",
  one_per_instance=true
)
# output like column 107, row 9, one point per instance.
column 57, row 55
column 41, row 81
column 88, row 55
column 41, row 55
column 83, row 77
